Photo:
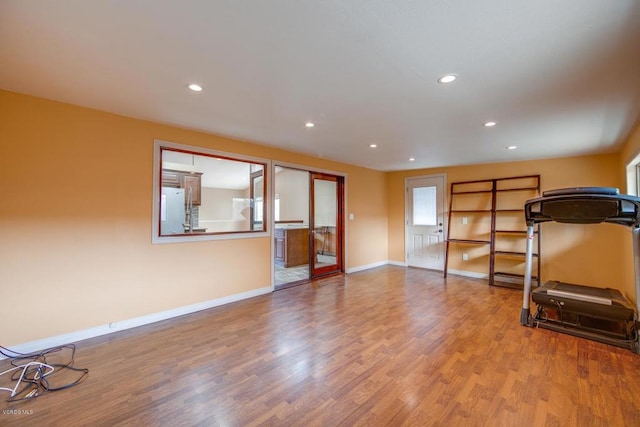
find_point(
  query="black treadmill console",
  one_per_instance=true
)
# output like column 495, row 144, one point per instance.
column 584, row 205
column 581, row 190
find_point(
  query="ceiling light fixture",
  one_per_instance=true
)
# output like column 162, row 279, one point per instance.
column 511, row 147
column 447, row 78
column 490, row 124
column 309, row 124
column 195, row 87
column 373, row 145
column 411, row 159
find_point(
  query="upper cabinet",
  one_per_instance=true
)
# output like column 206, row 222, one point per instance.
column 171, row 178
column 190, row 181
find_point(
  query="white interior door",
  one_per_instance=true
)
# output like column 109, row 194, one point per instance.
column 425, row 222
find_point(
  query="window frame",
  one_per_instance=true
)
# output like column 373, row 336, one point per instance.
column 157, row 238
column 636, row 190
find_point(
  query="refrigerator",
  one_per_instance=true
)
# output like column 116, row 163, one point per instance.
column 172, row 211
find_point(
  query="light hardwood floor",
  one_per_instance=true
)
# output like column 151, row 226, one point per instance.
column 387, row 346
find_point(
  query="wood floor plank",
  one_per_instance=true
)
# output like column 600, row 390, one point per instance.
column 387, row 346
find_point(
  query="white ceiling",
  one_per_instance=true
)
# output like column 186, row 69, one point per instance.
column 216, row 172
column 559, row 77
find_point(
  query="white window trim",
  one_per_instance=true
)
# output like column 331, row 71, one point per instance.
column 633, row 176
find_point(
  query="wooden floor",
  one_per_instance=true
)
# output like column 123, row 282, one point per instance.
column 387, row 346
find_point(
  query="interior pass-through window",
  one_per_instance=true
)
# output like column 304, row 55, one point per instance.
column 203, row 194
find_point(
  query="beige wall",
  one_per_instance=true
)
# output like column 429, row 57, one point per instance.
column 631, row 148
column 75, row 221
column 590, row 255
column 630, row 151
column 292, row 186
column 216, row 211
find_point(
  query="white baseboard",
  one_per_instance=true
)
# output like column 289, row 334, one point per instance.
column 71, row 337
column 366, row 267
column 475, row 275
column 468, row 274
column 398, row 263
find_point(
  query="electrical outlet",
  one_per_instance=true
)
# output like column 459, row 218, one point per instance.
column 465, row 257
column 464, row 220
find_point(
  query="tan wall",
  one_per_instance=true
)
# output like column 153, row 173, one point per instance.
column 292, row 186
column 75, row 222
column 590, row 255
column 629, row 152
column 368, row 205
column 631, row 148
column 216, row 211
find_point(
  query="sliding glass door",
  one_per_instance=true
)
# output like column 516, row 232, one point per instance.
column 326, row 224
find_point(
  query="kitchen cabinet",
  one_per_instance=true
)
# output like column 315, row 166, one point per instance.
column 291, row 246
column 171, row 178
column 187, row 180
column 192, row 182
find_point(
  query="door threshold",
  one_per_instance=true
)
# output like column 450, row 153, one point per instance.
column 291, row 284
column 307, row 281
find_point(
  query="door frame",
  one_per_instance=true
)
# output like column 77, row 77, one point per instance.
column 338, row 267
column 345, row 224
column 407, row 211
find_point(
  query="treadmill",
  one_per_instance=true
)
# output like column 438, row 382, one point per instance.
column 603, row 315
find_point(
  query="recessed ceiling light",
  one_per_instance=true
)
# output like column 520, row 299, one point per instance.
column 448, row 78
column 373, row 145
column 411, row 159
column 195, row 87
column 511, row 147
column 490, row 124
column 309, row 124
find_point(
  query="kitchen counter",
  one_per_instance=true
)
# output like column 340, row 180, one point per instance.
column 291, row 245
column 291, row 226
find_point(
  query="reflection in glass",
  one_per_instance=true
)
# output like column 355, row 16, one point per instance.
column 257, row 195
column 207, row 194
column 325, row 221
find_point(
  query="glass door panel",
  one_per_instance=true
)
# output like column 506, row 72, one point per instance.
column 326, row 224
